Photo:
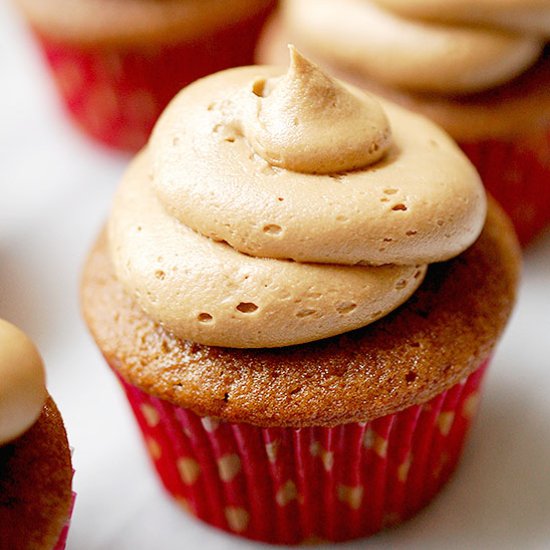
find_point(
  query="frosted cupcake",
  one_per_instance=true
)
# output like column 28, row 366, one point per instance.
column 118, row 63
column 35, row 460
column 479, row 69
column 262, row 292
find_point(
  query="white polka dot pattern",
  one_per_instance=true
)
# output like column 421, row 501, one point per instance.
column 289, row 486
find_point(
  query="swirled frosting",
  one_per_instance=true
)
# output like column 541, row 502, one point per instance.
column 527, row 16
column 22, row 383
column 229, row 234
column 381, row 39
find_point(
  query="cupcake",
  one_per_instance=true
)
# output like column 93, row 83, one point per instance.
column 479, row 69
column 35, row 460
column 299, row 290
column 117, row 64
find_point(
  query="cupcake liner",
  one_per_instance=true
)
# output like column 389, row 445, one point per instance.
column 116, row 93
column 62, row 541
column 517, row 173
column 288, row 486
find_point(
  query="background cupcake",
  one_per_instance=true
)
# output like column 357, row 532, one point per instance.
column 35, row 460
column 480, row 70
column 303, row 433
column 117, row 64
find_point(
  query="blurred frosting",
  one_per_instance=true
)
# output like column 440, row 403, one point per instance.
column 376, row 39
column 128, row 21
column 527, row 16
column 229, row 234
column 22, row 383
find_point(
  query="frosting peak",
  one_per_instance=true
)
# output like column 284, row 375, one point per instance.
column 306, row 121
column 22, row 383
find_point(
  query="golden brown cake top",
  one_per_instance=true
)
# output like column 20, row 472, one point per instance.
column 440, row 335
column 35, row 484
column 135, row 21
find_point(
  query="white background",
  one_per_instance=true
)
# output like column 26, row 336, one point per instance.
column 55, row 189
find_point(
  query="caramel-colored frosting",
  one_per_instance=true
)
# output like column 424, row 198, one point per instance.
column 281, row 122
column 528, row 16
column 22, row 383
column 410, row 53
column 130, row 21
column 230, row 235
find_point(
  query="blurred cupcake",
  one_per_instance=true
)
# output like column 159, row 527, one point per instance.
column 118, row 64
column 262, row 292
column 35, row 460
column 479, row 69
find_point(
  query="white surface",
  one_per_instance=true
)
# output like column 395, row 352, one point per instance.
column 54, row 193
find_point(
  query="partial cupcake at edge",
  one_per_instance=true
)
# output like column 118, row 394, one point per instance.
column 36, row 499
column 480, row 69
column 300, row 287
column 117, row 64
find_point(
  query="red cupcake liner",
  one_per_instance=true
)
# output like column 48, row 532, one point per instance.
column 517, row 173
column 116, row 93
column 62, row 541
column 288, row 486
